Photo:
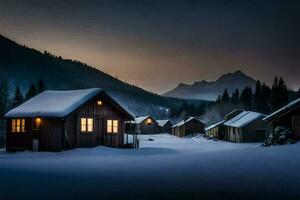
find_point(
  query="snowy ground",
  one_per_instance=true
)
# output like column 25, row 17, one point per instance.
column 166, row 168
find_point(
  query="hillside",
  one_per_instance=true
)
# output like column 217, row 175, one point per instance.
column 20, row 65
column 210, row 90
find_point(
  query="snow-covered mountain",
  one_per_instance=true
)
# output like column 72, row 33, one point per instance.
column 209, row 90
column 20, row 65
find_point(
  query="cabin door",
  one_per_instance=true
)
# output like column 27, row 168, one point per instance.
column 296, row 126
column 100, row 130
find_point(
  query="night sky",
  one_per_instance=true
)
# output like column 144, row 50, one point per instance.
column 157, row 44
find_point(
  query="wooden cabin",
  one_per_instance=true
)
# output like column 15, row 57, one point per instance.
column 59, row 120
column 165, row 126
column 247, row 126
column 145, row 125
column 216, row 130
column 188, row 126
column 288, row 116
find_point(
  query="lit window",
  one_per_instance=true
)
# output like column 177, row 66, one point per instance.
column 23, row 126
column 109, row 126
column 13, row 125
column 115, row 126
column 99, row 103
column 87, row 124
column 90, row 124
column 83, row 124
column 112, row 126
column 18, row 125
column 149, row 121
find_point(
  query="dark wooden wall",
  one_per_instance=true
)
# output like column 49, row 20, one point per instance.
column 167, row 128
column 100, row 114
column 194, row 126
column 145, row 128
column 19, row 141
column 57, row 134
column 286, row 120
column 50, row 135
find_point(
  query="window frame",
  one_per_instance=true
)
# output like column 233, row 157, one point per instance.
column 18, row 125
column 88, row 125
column 112, row 126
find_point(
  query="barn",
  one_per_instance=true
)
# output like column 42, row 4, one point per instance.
column 60, row 120
column 188, row 126
column 165, row 126
column 217, row 130
column 288, row 116
column 144, row 125
column 247, row 126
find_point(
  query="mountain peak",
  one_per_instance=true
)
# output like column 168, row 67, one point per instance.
column 210, row 90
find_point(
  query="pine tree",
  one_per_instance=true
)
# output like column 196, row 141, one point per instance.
column 258, row 96
column 219, row 99
column 282, row 93
column 200, row 111
column 266, row 99
column 279, row 95
column 40, row 86
column 31, row 91
column 3, row 97
column 18, row 97
column 225, row 96
column 246, row 98
column 235, row 98
column 274, row 94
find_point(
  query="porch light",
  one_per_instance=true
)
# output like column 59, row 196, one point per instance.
column 38, row 122
column 99, row 103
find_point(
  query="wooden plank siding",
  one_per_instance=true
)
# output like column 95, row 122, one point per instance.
column 19, row 141
column 101, row 114
column 57, row 134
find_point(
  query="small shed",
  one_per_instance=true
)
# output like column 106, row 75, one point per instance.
column 144, row 125
column 188, row 126
column 247, row 126
column 59, row 120
column 165, row 126
column 288, row 116
column 216, row 130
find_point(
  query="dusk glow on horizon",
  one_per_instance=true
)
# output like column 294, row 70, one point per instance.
column 158, row 44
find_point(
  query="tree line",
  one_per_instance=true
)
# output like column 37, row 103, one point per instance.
column 18, row 98
column 263, row 99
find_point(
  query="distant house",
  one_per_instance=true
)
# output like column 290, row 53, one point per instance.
column 288, row 116
column 143, row 125
column 165, row 126
column 188, row 126
column 247, row 126
column 59, row 120
column 217, row 130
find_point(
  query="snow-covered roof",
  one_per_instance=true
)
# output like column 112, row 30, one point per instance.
column 162, row 122
column 232, row 114
column 52, row 103
column 139, row 120
column 243, row 119
column 187, row 120
column 289, row 107
column 214, row 125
